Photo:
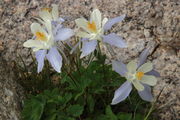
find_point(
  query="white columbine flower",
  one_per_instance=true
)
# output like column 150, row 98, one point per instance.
column 45, row 38
column 42, row 39
column 140, row 74
column 94, row 29
column 44, row 45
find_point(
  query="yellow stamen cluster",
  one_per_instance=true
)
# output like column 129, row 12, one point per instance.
column 40, row 36
column 139, row 75
column 46, row 9
column 92, row 26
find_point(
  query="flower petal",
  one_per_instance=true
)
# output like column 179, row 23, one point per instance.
column 55, row 12
column 83, row 35
column 104, row 21
column 55, row 59
column 146, row 93
column 40, row 55
column 132, row 66
column 60, row 19
column 138, row 85
column 64, row 34
column 154, row 73
column 115, row 40
column 119, row 67
column 88, row 47
column 96, row 17
column 113, row 21
column 147, row 67
column 56, row 27
column 33, row 43
column 149, row 80
column 36, row 27
column 122, row 93
column 143, row 57
column 82, row 23
column 45, row 15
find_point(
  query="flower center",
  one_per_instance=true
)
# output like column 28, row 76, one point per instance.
column 139, row 75
column 92, row 26
column 47, row 9
column 40, row 36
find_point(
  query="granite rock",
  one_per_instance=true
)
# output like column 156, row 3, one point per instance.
column 149, row 23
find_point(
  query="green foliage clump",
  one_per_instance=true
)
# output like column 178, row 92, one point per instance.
column 83, row 94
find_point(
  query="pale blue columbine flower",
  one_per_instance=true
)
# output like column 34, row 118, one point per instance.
column 93, row 31
column 45, row 38
column 140, row 74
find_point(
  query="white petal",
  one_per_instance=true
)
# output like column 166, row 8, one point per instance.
column 45, row 15
column 96, row 17
column 40, row 55
column 115, row 40
column 104, row 21
column 122, row 93
column 113, row 21
column 48, row 25
column 36, row 27
column 55, row 59
column 88, row 47
column 132, row 66
column 64, row 34
column 55, row 12
column 138, row 85
column 146, row 94
column 40, row 20
column 147, row 67
column 33, row 43
column 119, row 67
column 82, row 23
column 149, row 80
column 83, row 35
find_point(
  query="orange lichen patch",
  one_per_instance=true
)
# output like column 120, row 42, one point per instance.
column 92, row 26
column 46, row 9
column 40, row 36
column 139, row 75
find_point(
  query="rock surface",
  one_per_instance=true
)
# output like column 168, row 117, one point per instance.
column 149, row 23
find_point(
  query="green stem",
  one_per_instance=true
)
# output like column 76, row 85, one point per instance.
column 69, row 74
column 99, row 47
column 150, row 111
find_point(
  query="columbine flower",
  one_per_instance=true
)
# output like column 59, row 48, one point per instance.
column 94, row 29
column 43, row 43
column 140, row 74
column 45, row 38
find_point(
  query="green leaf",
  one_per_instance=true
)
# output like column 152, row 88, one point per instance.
column 67, row 97
column 102, row 117
column 78, row 95
column 51, row 117
column 110, row 114
column 91, row 103
column 33, row 108
column 138, row 117
column 75, row 110
column 124, row 116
